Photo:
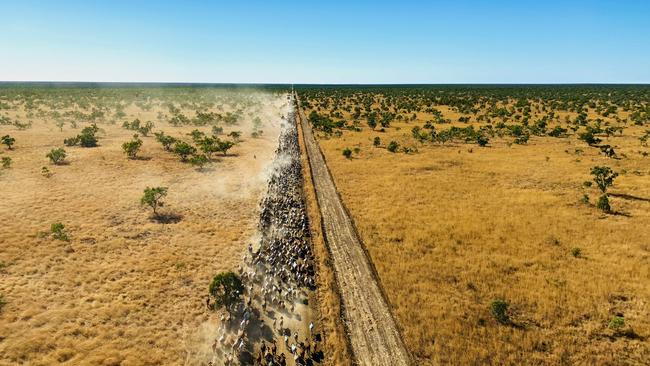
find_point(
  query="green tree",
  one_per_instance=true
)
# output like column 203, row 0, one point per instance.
column 604, row 178
column 347, row 153
column 8, row 140
column 393, row 146
column 499, row 310
column 183, row 149
column 226, row 288
column 224, row 146
column 56, row 156
column 376, row 142
column 153, row 197
column 165, row 140
column 199, row 161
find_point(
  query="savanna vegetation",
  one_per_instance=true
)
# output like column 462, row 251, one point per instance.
column 119, row 204
column 508, row 224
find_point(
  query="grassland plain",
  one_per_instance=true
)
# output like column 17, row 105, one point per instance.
column 125, row 289
column 455, row 226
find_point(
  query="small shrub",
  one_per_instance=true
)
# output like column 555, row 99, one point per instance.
column 56, row 156
column 522, row 139
column 58, row 232
column 585, row 199
column 347, row 153
column 499, row 310
column 165, row 140
column 603, row 203
column 9, row 141
column 393, row 146
column 217, row 130
column 199, row 161
column 132, row 147
column 376, row 142
column 6, row 162
column 576, row 252
column 616, row 322
column 587, row 183
column 482, row 140
column 72, row 141
column 589, row 138
column 235, row 135
column 183, row 149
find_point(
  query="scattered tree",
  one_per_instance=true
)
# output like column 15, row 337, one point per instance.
column 8, row 140
column 226, row 288
column 347, row 153
column 6, row 162
column 604, row 178
column 153, row 197
column 132, row 147
column 56, row 156
column 183, row 149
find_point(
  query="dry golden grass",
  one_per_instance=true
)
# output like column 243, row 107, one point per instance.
column 329, row 302
column 454, row 227
column 126, row 289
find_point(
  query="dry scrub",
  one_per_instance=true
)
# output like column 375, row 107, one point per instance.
column 125, row 289
column 454, row 227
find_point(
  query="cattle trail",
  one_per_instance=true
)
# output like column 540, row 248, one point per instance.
column 373, row 333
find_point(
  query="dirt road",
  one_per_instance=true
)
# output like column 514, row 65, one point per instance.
column 373, row 334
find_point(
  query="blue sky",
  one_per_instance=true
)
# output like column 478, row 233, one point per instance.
column 548, row 41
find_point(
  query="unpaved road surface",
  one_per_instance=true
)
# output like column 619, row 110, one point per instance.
column 374, row 336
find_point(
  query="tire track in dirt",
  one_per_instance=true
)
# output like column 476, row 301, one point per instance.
column 373, row 333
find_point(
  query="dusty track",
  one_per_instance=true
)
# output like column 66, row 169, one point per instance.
column 373, row 334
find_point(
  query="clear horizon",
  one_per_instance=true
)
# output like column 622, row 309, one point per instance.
column 410, row 42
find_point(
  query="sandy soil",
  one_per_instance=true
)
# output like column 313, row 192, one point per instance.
column 126, row 289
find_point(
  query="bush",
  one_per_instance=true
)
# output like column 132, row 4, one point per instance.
column 393, row 146
column 132, row 147
column 603, row 203
column 183, row 149
column 58, row 232
column 72, row 141
column 224, row 146
column 87, row 137
column 6, row 162
column 576, row 252
column 8, row 140
column 165, row 140
column 616, row 322
column 153, row 198
column 499, row 310
column 522, row 139
column 376, row 142
column 347, row 153
column 589, row 138
column 226, row 288
column 56, row 156
column 199, row 161
column 481, row 140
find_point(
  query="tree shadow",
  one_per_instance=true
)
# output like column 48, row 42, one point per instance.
column 629, row 197
column 167, row 218
column 141, row 158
